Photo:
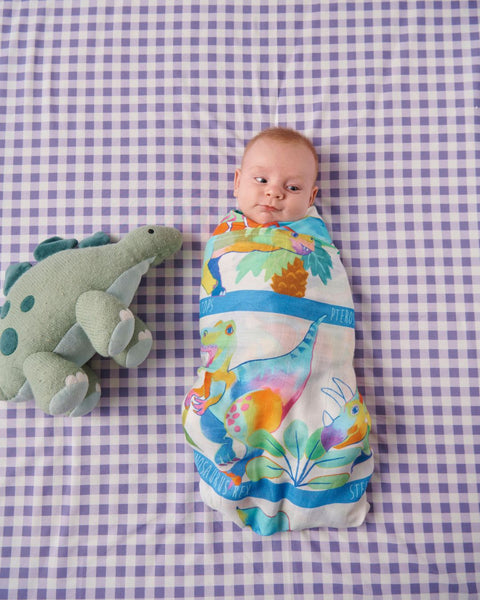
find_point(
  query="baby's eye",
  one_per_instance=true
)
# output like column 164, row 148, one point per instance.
column 260, row 180
column 293, row 188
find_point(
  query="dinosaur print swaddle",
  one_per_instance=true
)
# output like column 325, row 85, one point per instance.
column 278, row 427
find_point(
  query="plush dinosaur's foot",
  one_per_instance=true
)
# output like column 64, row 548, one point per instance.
column 92, row 396
column 58, row 385
column 138, row 348
column 123, row 332
column 71, row 395
column 108, row 324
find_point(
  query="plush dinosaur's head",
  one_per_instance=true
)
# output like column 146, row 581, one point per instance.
column 152, row 242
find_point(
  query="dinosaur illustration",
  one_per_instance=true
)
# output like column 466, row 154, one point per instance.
column 234, row 221
column 259, row 395
column 218, row 346
column 312, row 459
column 269, row 240
column 353, row 422
column 72, row 303
column 262, row 523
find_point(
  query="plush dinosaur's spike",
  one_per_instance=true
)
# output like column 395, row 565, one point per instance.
column 52, row 246
column 97, row 239
column 13, row 273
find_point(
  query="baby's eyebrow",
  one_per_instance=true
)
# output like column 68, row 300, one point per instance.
column 262, row 168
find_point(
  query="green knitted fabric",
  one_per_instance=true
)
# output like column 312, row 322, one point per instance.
column 71, row 304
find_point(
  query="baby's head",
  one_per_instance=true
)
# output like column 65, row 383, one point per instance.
column 276, row 181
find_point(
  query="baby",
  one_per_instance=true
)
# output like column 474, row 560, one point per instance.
column 278, row 427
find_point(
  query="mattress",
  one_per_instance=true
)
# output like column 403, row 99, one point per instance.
column 116, row 115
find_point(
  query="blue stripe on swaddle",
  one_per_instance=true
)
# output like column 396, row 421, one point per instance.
column 266, row 301
column 348, row 493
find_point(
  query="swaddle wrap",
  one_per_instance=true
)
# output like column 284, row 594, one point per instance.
column 278, row 427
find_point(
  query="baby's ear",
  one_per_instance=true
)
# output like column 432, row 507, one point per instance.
column 236, row 183
column 313, row 195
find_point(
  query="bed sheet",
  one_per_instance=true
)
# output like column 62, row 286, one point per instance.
column 118, row 114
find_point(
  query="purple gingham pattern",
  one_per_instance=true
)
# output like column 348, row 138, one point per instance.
column 117, row 114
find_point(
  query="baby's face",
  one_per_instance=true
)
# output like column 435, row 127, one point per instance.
column 276, row 181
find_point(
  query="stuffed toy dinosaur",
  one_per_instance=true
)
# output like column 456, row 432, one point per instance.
column 69, row 305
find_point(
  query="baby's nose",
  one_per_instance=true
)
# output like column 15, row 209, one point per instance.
column 274, row 191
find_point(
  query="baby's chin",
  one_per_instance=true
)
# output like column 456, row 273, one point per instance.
column 264, row 216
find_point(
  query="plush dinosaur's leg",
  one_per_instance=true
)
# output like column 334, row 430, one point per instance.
column 138, row 348
column 92, row 397
column 58, row 385
column 108, row 323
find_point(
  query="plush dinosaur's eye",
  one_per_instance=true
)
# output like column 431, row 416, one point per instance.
column 151, row 231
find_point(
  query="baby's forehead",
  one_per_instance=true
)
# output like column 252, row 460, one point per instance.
column 270, row 147
column 265, row 151
column 266, row 143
